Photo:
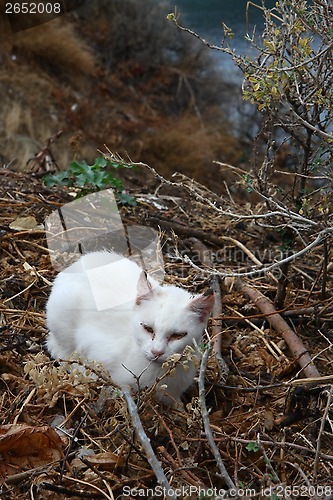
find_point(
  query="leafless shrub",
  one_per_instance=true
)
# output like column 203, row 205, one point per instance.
column 290, row 79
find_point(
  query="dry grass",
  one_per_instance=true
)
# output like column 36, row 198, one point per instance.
column 57, row 48
column 190, row 145
column 54, row 46
column 44, row 68
column 22, row 134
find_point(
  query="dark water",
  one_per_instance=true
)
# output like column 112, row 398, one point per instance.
column 206, row 18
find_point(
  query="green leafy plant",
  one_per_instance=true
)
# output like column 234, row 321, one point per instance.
column 90, row 178
column 248, row 182
column 252, row 447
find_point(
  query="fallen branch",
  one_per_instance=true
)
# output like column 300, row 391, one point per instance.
column 151, row 457
column 312, row 381
column 61, row 490
column 205, row 418
column 218, row 241
column 294, row 343
column 185, row 230
column 86, row 483
column 284, row 445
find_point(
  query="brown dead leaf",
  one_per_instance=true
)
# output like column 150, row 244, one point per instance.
column 106, row 460
column 268, row 420
column 24, row 447
column 269, row 360
column 25, row 223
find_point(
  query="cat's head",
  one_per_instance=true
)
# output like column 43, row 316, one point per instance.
column 168, row 318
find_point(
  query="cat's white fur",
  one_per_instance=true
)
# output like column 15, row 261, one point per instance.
column 106, row 309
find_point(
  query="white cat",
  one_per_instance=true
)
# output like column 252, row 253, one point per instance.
column 105, row 308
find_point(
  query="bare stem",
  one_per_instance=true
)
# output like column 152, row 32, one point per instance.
column 206, row 423
column 321, row 430
column 150, row 454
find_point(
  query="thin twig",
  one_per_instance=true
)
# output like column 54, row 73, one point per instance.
column 322, row 235
column 279, row 444
column 46, row 486
column 205, row 419
column 86, row 483
column 267, row 460
column 282, row 211
column 189, row 184
column 187, row 475
column 321, row 430
column 150, row 454
column 191, row 478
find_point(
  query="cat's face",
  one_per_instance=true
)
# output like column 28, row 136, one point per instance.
column 167, row 319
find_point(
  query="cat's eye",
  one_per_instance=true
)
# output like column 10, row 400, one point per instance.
column 149, row 329
column 177, row 335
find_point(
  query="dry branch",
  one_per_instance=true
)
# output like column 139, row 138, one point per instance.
column 296, row 222
column 321, row 430
column 185, row 230
column 177, row 467
column 295, row 345
column 150, row 454
column 205, row 419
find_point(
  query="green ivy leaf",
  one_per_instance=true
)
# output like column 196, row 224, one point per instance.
column 90, row 178
column 100, row 162
column 252, row 447
column 126, row 199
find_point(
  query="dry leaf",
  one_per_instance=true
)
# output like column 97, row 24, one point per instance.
column 24, row 447
column 268, row 420
column 25, row 223
column 106, row 460
column 269, row 360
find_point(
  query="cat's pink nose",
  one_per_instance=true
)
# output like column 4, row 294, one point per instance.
column 156, row 353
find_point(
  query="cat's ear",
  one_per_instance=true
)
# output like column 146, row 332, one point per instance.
column 203, row 304
column 144, row 288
